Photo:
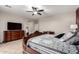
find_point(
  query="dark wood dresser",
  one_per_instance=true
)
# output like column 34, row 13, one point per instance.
column 13, row 35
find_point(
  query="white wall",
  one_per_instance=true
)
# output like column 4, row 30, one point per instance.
column 33, row 26
column 30, row 26
column 4, row 18
column 58, row 23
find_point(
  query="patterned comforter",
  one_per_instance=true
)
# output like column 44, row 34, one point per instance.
column 47, row 42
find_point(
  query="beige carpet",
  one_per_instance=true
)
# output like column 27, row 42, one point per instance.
column 13, row 47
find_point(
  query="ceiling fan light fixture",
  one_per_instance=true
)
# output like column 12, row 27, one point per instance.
column 35, row 12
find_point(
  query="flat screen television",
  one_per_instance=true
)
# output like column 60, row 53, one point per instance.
column 14, row 26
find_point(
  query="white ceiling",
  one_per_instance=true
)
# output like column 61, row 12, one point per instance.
column 49, row 10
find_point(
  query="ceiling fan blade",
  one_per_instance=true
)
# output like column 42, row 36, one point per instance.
column 39, row 13
column 29, row 11
column 40, row 10
column 34, row 8
column 32, row 14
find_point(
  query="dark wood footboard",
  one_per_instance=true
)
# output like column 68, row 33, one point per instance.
column 27, row 50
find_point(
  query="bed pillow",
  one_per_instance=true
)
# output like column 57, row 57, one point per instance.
column 59, row 35
column 74, row 39
column 67, row 36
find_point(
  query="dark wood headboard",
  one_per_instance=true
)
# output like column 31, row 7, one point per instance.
column 77, row 18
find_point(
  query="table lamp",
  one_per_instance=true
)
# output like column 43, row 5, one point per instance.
column 73, row 27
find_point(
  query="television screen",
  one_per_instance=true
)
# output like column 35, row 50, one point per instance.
column 14, row 26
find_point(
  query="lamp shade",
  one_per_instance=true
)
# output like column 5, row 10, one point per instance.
column 73, row 26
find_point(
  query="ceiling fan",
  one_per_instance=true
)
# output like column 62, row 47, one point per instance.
column 36, row 10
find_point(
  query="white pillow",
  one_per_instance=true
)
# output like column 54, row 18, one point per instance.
column 66, row 36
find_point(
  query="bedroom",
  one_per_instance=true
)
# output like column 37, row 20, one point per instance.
column 54, row 19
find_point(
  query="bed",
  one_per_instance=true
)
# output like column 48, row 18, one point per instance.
column 31, row 46
column 45, row 43
column 48, row 44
